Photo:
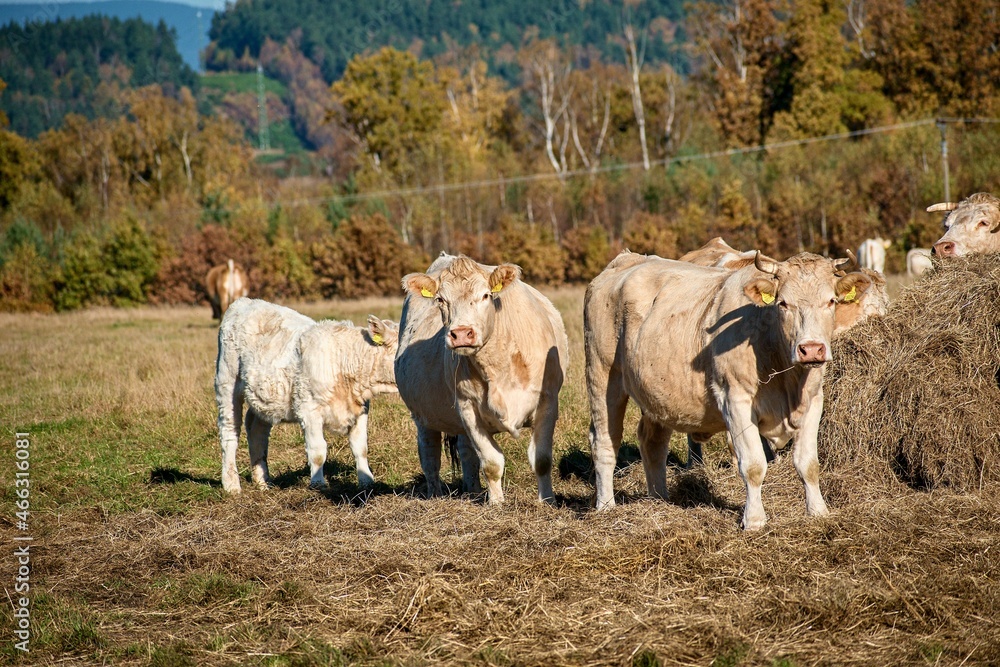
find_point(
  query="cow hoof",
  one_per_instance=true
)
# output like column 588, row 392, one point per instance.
column 753, row 524
column 319, row 486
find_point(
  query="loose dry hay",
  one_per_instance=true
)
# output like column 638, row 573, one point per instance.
column 914, row 396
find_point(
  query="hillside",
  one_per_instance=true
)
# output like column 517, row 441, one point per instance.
column 331, row 33
column 192, row 30
column 77, row 65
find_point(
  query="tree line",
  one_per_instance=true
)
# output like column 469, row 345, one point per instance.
column 577, row 159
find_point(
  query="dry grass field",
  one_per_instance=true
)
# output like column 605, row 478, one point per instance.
column 139, row 558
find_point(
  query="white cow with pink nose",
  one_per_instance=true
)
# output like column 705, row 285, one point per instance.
column 480, row 353
column 972, row 226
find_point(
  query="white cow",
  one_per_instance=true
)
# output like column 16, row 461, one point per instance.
column 480, row 353
column 918, row 262
column 972, row 226
column 871, row 253
column 703, row 350
column 287, row 367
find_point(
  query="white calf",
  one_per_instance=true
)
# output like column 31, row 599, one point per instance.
column 289, row 368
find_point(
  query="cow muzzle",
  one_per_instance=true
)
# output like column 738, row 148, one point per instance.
column 812, row 353
column 944, row 249
column 462, row 339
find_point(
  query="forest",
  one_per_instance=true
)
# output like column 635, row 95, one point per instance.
column 584, row 151
column 53, row 68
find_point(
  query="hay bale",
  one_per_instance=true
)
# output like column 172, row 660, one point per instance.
column 915, row 396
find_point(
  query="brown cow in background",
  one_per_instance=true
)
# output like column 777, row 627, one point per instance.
column 224, row 284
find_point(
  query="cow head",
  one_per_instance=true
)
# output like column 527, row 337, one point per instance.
column 468, row 297
column 383, row 336
column 804, row 292
column 970, row 227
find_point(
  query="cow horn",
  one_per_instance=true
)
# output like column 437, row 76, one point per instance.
column 943, row 206
column 764, row 265
column 847, row 265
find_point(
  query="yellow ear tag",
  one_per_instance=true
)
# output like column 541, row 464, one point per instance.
column 498, row 287
column 853, row 294
column 426, row 293
column 377, row 339
column 768, row 299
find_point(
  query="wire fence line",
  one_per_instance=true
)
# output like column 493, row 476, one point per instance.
column 625, row 166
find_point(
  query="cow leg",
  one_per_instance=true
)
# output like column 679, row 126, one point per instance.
column 429, row 448
column 607, row 419
column 470, row 465
column 358, row 437
column 750, row 458
column 229, row 397
column 216, row 312
column 312, row 427
column 805, row 458
column 654, row 446
column 490, row 457
column 540, row 447
column 258, row 436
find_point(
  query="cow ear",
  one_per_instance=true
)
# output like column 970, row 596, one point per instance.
column 850, row 288
column 504, row 276
column 420, row 283
column 376, row 330
column 761, row 291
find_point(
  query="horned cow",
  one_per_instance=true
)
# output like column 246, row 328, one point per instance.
column 480, row 353
column 286, row 367
column 702, row 350
column 971, row 226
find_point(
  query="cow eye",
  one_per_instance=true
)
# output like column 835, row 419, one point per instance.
column 439, row 299
column 983, row 223
column 833, row 302
column 783, row 304
column 486, row 296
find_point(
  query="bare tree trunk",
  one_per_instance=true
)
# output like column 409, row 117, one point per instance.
column 635, row 67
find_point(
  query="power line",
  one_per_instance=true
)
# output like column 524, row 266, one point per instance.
column 627, row 166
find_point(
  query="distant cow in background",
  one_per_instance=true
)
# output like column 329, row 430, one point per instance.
column 918, row 262
column 224, row 284
column 871, row 253
column 972, row 226
column 287, row 367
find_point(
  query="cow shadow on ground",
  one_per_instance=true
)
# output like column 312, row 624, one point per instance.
column 170, row 475
column 687, row 487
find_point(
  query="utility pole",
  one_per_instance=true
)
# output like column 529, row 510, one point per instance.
column 263, row 134
column 942, row 125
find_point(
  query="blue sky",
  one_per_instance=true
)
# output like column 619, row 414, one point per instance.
column 216, row 4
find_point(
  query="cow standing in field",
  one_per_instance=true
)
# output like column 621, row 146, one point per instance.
column 871, row 253
column 224, row 284
column 851, row 310
column 287, row 367
column 703, row 350
column 480, row 353
column 918, row 262
column 972, row 226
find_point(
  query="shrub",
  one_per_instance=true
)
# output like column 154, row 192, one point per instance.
column 364, row 257
column 24, row 280
column 587, row 252
column 647, row 234
column 533, row 249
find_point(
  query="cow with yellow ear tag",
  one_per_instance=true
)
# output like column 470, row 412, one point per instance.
column 480, row 353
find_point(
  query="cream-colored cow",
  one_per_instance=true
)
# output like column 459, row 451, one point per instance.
column 286, row 367
column 703, row 350
column 480, row 353
column 224, row 284
column 972, row 226
column 874, row 301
